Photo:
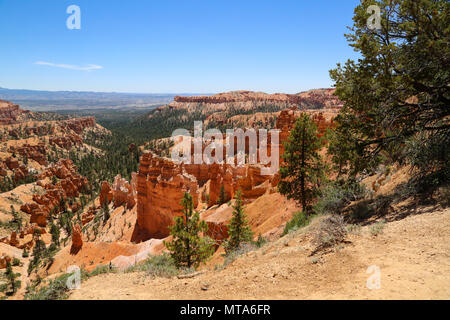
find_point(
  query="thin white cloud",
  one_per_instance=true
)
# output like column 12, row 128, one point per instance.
column 89, row 67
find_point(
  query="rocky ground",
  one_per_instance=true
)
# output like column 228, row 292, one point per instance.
column 412, row 254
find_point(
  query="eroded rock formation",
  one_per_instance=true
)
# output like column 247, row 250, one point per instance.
column 79, row 124
column 77, row 239
column 69, row 185
column 105, row 194
column 36, row 152
column 67, row 141
column 4, row 259
column 162, row 183
column 124, row 192
column 12, row 163
column 10, row 113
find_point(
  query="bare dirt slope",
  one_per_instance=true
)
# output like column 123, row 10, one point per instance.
column 413, row 255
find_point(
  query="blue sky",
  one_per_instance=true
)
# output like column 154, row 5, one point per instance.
column 173, row 46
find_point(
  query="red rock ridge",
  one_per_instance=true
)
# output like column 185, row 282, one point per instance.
column 320, row 97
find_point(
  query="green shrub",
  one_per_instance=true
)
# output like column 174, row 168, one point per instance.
column 377, row 228
column 243, row 249
column 353, row 228
column 336, row 195
column 3, row 287
column 157, row 266
column 16, row 262
column 261, row 241
column 362, row 210
column 299, row 220
column 102, row 269
column 55, row 290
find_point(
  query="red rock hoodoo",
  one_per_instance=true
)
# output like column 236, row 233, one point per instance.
column 77, row 240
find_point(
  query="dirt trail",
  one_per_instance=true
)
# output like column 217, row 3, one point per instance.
column 413, row 255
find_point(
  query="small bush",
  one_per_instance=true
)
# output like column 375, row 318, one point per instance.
column 443, row 195
column 377, row 228
column 336, row 195
column 353, row 228
column 102, row 269
column 3, row 287
column 219, row 267
column 55, row 290
column 331, row 231
column 362, row 210
column 299, row 220
column 157, row 266
column 260, row 242
column 15, row 262
column 243, row 249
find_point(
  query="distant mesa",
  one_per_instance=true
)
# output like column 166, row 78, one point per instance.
column 323, row 98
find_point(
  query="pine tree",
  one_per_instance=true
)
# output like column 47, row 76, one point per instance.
column 188, row 248
column 11, row 277
column 239, row 231
column 38, row 251
column 303, row 168
column 65, row 223
column 54, row 231
column 17, row 219
column 106, row 213
column 62, row 205
column 397, row 94
column 222, row 196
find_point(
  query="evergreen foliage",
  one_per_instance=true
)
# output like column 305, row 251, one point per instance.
column 188, row 249
column 222, row 196
column 238, row 230
column 12, row 283
column 303, row 168
column 397, row 95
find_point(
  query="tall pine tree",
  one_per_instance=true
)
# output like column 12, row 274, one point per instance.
column 303, row 168
column 238, row 230
column 222, row 196
column 188, row 248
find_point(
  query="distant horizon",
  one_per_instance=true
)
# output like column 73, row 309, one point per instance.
column 109, row 92
column 155, row 93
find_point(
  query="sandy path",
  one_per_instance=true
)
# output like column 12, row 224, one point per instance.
column 413, row 255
